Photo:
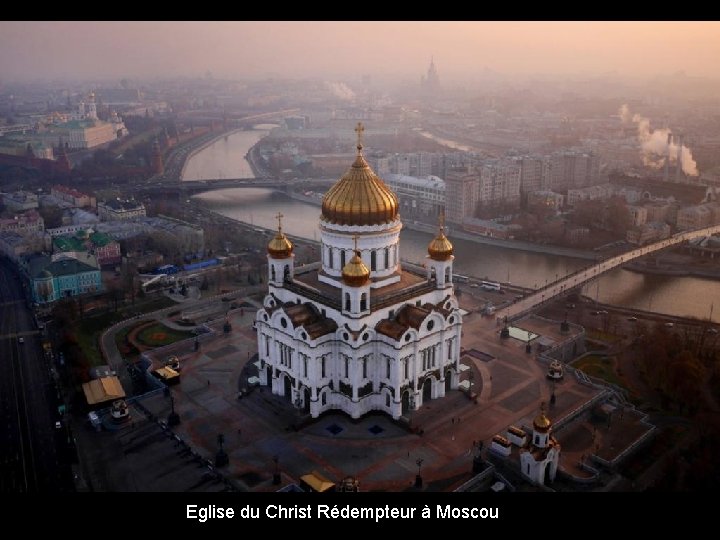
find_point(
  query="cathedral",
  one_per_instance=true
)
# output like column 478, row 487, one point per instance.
column 357, row 332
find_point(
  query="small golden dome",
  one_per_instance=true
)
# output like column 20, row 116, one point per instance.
column 440, row 248
column 542, row 423
column 280, row 247
column 360, row 197
column 355, row 273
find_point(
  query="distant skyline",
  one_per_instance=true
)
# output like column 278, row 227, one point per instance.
column 348, row 50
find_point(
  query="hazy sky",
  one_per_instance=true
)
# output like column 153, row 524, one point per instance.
column 30, row 50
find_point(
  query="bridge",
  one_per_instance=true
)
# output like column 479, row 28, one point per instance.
column 573, row 281
column 189, row 187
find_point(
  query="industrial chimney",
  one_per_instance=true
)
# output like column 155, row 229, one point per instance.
column 678, row 170
column 666, row 178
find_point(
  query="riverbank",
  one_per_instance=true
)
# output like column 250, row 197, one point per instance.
column 478, row 239
column 668, row 271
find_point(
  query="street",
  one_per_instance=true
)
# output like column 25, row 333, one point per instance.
column 33, row 451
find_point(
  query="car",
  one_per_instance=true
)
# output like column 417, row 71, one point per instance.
column 58, row 424
column 602, row 312
column 669, row 325
column 474, row 285
column 712, row 330
column 632, row 319
column 21, row 340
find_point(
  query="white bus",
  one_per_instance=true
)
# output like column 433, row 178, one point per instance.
column 490, row 285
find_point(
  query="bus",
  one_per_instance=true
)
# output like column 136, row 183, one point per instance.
column 490, row 285
column 461, row 279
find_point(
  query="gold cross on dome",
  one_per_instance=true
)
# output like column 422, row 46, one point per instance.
column 355, row 239
column 279, row 217
column 441, row 219
column 359, row 130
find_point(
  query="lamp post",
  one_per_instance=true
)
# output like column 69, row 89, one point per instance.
column 418, row 478
column 174, row 417
column 221, row 458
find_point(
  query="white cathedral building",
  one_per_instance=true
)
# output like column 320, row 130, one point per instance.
column 357, row 332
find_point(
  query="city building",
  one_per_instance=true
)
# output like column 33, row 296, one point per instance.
column 117, row 210
column 85, row 130
column 592, row 193
column 20, row 201
column 499, row 182
column 358, row 332
column 102, row 246
column 461, row 194
column 639, row 215
column 72, row 196
column 648, row 232
column 430, row 84
column 53, row 280
column 698, row 216
column 418, row 197
column 538, row 200
column 29, row 221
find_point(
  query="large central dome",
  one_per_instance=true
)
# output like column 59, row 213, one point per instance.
column 360, row 197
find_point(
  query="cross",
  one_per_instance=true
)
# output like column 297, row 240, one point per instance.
column 441, row 219
column 355, row 239
column 359, row 130
column 279, row 217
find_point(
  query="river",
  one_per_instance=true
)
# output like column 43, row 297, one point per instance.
column 684, row 296
column 225, row 157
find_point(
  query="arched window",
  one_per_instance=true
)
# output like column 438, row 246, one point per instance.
column 342, row 259
column 272, row 272
column 363, row 302
column 373, row 260
column 324, row 398
column 447, row 275
column 330, row 258
column 286, row 273
column 365, row 363
column 387, row 258
column 347, row 301
column 387, row 400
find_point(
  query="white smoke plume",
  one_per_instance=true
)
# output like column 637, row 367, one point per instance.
column 340, row 90
column 654, row 146
column 624, row 113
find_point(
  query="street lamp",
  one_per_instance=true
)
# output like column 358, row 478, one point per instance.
column 221, row 458
column 174, row 417
column 418, row 478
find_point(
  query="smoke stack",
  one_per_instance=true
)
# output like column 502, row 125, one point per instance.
column 678, row 169
column 667, row 158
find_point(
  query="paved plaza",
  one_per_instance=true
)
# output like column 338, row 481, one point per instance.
column 508, row 385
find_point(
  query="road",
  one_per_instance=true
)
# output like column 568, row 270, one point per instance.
column 33, row 452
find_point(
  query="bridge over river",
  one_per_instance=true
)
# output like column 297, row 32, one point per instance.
column 576, row 280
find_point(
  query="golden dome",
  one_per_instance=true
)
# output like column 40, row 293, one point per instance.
column 280, row 247
column 440, row 248
column 360, row 197
column 355, row 273
column 542, row 423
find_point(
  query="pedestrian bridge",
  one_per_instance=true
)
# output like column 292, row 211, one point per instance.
column 564, row 285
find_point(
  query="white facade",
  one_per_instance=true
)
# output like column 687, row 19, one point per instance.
column 387, row 342
column 539, row 460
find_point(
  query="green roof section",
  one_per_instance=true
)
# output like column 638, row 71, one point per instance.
column 77, row 241
column 100, row 239
column 69, row 243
